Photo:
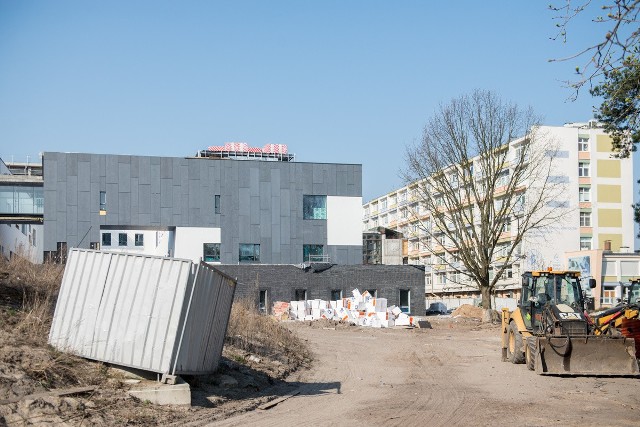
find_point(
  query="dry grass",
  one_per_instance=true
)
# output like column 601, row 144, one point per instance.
column 261, row 335
column 38, row 285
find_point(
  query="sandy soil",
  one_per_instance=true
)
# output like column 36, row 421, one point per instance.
column 449, row 375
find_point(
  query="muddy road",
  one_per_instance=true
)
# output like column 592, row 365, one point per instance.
column 448, row 375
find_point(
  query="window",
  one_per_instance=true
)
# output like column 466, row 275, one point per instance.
column 262, row 302
column 216, row 203
column 404, row 300
column 211, row 252
column 103, row 200
column 139, row 239
column 314, row 207
column 383, row 204
column 502, row 178
column 33, row 235
column 94, row 245
column 585, row 219
column 313, row 253
column 583, row 143
column 300, row 295
column 249, row 252
column 106, row 239
column 508, row 272
column 583, row 169
column 122, row 239
column 454, row 276
column 585, row 243
column 336, row 294
column 584, row 194
column 441, row 278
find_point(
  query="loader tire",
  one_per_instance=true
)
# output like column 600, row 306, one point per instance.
column 532, row 353
column 514, row 345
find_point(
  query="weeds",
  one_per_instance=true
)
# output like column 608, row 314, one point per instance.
column 38, row 285
column 259, row 334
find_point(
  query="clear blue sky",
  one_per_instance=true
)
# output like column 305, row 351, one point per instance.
column 338, row 81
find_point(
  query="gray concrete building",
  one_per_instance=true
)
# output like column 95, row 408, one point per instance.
column 224, row 211
column 401, row 285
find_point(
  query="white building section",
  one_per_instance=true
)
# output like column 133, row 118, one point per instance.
column 143, row 241
column 24, row 240
column 344, row 220
column 178, row 242
column 189, row 243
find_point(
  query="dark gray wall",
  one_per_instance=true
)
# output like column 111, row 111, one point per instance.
column 261, row 202
column 281, row 281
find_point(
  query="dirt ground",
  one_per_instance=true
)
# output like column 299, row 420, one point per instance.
column 449, row 375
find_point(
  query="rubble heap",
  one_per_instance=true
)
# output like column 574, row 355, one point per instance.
column 361, row 309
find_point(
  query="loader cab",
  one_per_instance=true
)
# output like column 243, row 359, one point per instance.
column 556, row 288
column 632, row 292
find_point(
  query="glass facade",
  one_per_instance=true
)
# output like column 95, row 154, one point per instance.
column 21, row 199
column 211, row 252
column 249, row 252
column 314, row 207
column 311, row 253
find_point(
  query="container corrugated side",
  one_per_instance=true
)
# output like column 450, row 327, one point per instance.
column 206, row 323
column 121, row 308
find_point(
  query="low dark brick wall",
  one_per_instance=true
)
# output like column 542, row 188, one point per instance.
column 281, row 282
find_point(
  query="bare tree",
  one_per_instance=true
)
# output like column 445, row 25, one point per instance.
column 482, row 189
column 617, row 21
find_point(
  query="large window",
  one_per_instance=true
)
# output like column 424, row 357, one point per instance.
column 211, row 252
column 314, row 207
column 336, row 294
column 583, row 169
column 300, row 295
column 313, row 253
column 139, row 239
column 585, row 243
column 585, row 219
column 405, row 300
column 249, row 252
column 122, row 239
column 584, row 194
column 106, row 239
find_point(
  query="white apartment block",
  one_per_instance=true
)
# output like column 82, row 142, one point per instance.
column 599, row 191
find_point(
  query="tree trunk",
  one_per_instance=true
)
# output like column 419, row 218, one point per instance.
column 486, row 296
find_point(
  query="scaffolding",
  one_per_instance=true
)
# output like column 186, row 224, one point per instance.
column 246, row 155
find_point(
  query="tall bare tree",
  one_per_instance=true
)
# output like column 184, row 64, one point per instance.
column 611, row 65
column 483, row 188
column 616, row 25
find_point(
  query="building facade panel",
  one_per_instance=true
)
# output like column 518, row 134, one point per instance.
column 260, row 202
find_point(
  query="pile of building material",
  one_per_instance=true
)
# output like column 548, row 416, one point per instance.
column 361, row 309
column 281, row 310
column 468, row 311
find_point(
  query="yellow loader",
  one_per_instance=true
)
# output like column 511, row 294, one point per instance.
column 549, row 330
column 623, row 319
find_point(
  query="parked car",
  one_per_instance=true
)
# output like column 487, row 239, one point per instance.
column 437, row 308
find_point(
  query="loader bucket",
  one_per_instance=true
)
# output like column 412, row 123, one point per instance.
column 586, row 355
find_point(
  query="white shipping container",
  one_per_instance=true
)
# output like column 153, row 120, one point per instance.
column 158, row 314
